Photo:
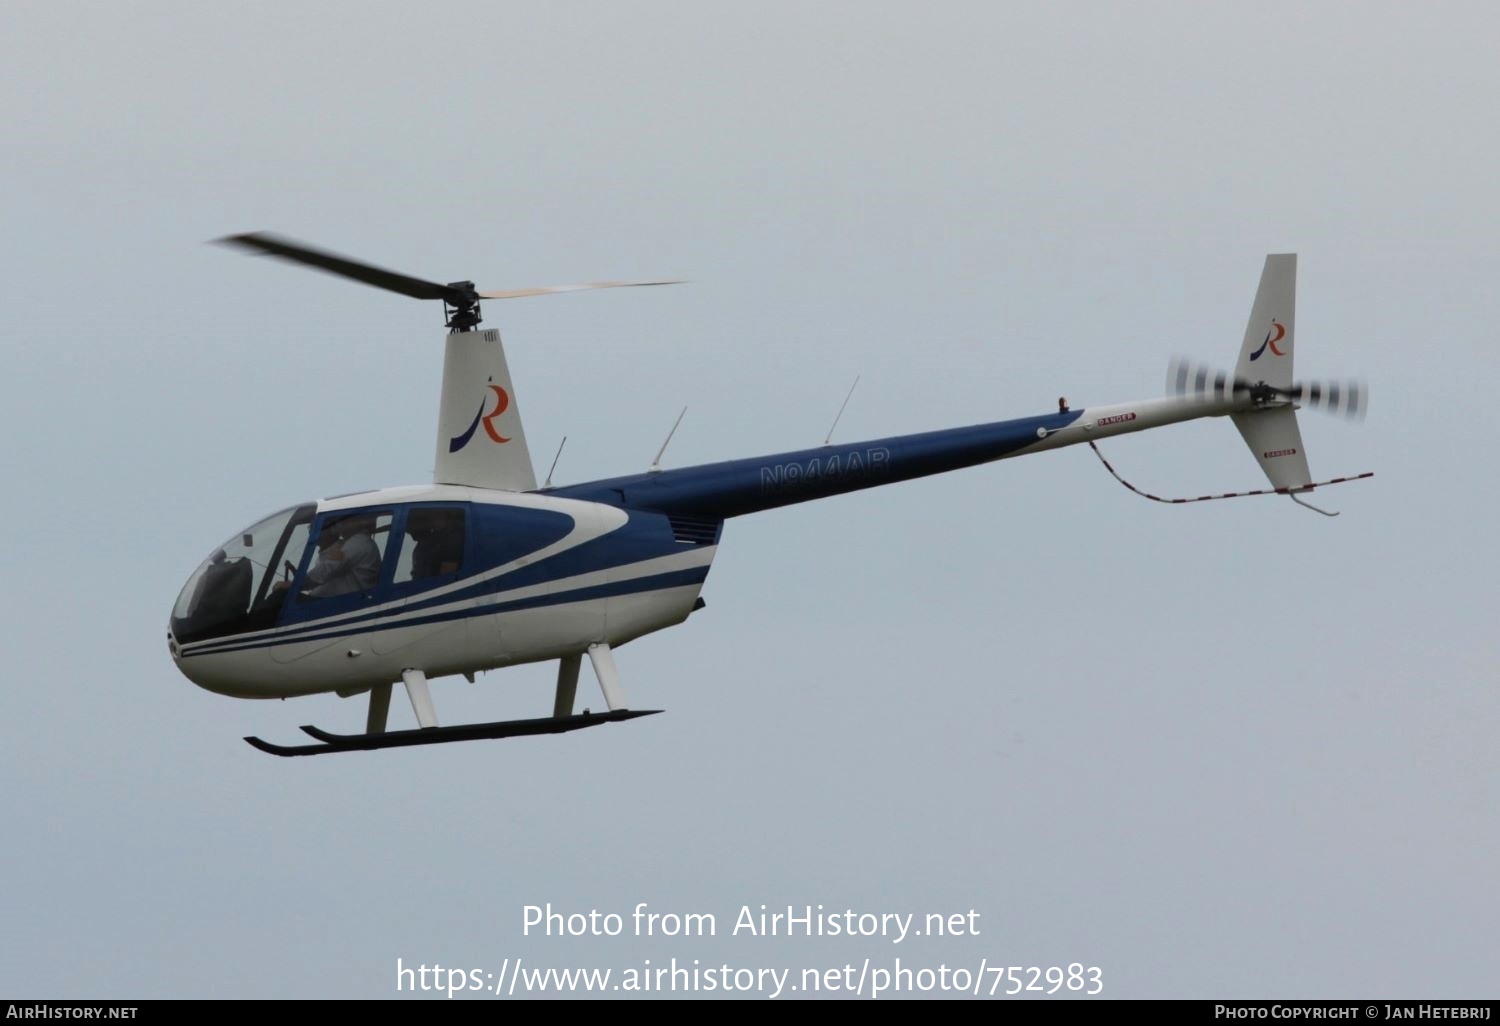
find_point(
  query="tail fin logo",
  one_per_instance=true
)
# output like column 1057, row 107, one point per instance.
column 502, row 403
column 1275, row 335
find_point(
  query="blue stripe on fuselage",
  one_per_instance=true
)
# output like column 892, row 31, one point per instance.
column 658, row 582
column 715, row 491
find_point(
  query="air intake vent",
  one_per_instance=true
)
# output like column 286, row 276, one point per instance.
column 694, row 530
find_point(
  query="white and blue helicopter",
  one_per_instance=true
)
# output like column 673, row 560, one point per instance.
column 482, row 569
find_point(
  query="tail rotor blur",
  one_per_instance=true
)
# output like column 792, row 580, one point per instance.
column 1189, row 379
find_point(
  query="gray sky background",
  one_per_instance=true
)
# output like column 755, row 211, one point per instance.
column 1226, row 750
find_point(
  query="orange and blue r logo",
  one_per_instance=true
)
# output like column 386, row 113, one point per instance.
column 1275, row 335
column 502, row 403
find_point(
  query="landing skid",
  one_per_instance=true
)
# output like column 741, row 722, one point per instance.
column 443, row 735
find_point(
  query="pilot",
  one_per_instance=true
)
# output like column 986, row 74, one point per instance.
column 348, row 559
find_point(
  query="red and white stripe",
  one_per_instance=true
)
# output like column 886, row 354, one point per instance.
column 1226, row 495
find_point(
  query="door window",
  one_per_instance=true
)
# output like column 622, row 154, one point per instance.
column 433, row 547
column 347, row 555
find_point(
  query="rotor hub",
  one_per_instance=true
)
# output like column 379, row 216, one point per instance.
column 1261, row 393
column 461, row 304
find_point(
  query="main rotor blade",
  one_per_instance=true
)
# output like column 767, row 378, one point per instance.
column 299, row 253
column 546, row 289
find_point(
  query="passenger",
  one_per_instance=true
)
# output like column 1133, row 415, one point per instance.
column 439, row 545
column 348, row 559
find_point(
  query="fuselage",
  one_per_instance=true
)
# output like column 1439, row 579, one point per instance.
column 459, row 580
column 532, row 577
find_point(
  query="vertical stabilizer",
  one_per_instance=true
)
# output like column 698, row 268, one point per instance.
column 1266, row 354
column 480, row 443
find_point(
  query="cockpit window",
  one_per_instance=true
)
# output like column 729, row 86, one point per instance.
column 235, row 589
column 433, row 547
column 349, row 553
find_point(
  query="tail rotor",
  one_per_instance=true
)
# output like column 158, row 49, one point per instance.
column 1189, row 379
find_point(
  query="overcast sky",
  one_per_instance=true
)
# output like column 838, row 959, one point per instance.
column 1231, row 749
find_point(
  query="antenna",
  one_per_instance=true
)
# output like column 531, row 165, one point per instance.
column 655, row 467
column 554, row 461
column 836, row 416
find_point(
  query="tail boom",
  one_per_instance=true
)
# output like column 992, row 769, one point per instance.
column 737, row 487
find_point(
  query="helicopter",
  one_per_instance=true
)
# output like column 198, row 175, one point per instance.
column 481, row 569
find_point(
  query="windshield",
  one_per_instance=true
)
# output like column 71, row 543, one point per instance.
column 235, row 589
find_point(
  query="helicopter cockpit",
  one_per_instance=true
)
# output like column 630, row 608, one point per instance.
column 298, row 565
column 241, row 586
